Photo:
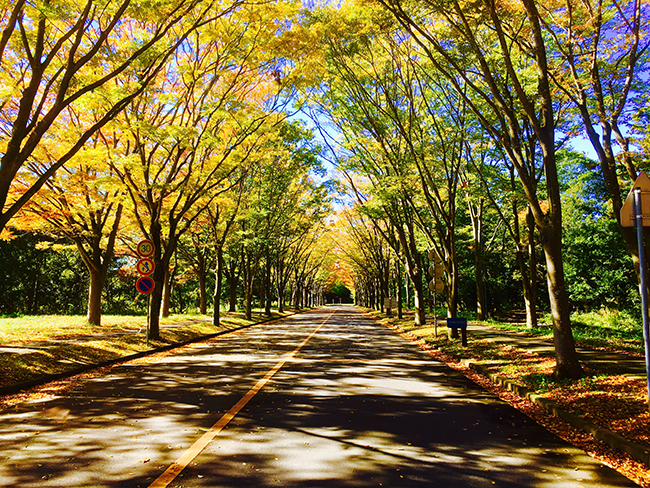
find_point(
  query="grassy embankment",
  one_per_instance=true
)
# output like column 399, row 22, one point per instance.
column 33, row 346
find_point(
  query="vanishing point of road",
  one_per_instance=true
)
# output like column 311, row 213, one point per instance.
column 326, row 398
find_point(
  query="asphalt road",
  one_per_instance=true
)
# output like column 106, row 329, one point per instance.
column 327, row 398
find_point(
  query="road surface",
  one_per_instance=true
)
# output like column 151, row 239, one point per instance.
column 327, row 398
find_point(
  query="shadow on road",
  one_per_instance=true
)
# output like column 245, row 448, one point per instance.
column 358, row 406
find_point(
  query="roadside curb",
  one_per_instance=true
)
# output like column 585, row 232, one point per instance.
column 41, row 380
column 635, row 450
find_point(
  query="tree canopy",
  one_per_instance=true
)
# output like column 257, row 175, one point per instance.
column 279, row 154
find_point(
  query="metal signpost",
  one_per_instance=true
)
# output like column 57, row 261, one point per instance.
column 632, row 216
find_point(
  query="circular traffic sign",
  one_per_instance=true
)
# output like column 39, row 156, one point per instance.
column 145, row 285
column 145, row 266
column 145, row 248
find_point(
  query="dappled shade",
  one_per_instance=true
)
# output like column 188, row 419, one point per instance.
column 358, row 406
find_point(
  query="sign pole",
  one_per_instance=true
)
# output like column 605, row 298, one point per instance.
column 148, row 320
column 638, row 215
column 435, row 315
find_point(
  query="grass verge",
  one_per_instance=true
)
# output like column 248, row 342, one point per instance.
column 35, row 346
column 612, row 330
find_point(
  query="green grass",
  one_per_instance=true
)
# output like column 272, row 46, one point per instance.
column 41, row 345
column 44, row 327
column 609, row 329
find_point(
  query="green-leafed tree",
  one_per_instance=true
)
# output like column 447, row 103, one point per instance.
column 82, row 203
column 509, row 89
column 282, row 201
column 600, row 273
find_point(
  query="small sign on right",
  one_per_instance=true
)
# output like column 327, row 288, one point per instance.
column 627, row 211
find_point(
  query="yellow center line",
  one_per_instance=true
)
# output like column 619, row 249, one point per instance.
column 188, row 456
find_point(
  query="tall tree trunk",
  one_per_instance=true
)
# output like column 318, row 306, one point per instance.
column 97, row 282
column 414, row 268
column 550, row 231
column 282, row 290
column 248, row 287
column 232, row 278
column 526, row 282
column 567, row 365
column 203, row 293
column 527, row 268
column 216, row 297
column 386, row 288
column 418, row 297
column 281, row 283
column 531, row 300
column 202, row 277
column 167, row 293
column 97, row 266
column 161, row 272
column 407, row 289
column 267, row 290
column 232, row 292
column 481, row 306
column 400, row 312
column 295, row 292
column 248, row 298
column 550, row 223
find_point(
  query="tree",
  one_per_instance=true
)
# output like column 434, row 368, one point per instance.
column 599, row 62
column 506, row 93
column 39, row 275
column 369, row 254
column 56, row 57
column 81, row 203
column 282, row 202
column 197, row 254
column 380, row 94
column 222, row 215
column 494, row 179
column 600, row 273
column 179, row 144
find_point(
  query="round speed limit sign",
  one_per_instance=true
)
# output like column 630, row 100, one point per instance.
column 145, row 248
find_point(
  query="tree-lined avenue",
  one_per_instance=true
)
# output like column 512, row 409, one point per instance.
column 357, row 405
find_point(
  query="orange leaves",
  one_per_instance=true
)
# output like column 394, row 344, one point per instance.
column 619, row 403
